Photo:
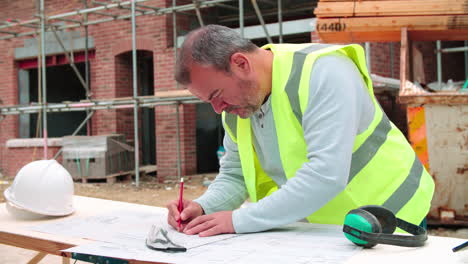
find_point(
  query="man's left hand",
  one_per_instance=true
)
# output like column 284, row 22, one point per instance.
column 210, row 225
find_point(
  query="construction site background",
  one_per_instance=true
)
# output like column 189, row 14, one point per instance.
column 111, row 77
column 174, row 136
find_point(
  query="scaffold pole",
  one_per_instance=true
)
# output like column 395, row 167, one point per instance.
column 43, row 78
column 135, row 96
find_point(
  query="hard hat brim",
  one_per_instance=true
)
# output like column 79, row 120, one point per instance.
column 10, row 199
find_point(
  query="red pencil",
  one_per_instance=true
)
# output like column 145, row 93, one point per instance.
column 181, row 199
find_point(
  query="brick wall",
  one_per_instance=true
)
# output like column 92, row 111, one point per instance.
column 16, row 158
column 166, row 132
column 110, row 77
column 124, row 88
column 381, row 61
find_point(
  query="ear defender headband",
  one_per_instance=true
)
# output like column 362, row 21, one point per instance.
column 370, row 225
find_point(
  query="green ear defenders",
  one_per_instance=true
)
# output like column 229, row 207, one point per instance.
column 370, row 225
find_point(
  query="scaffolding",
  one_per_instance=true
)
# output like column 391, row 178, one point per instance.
column 115, row 10
column 79, row 18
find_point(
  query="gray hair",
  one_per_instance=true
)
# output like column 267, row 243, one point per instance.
column 211, row 45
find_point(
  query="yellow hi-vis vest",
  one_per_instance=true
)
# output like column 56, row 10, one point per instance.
column 384, row 168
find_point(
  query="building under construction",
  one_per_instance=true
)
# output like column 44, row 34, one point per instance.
column 93, row 68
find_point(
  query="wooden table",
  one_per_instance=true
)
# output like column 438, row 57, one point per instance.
column 15, row 233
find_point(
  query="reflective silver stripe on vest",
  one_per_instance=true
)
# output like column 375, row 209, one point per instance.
column 369, row 148
column 367, row 151
column 407, row 189
column 231, row 122
column 292, row 86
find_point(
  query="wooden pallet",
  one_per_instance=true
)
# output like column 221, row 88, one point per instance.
column 381, row 21
column 122, row 176
column 390, row 8
column 111, row 178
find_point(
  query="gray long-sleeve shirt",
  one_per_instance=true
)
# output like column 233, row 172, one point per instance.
column 339, row 108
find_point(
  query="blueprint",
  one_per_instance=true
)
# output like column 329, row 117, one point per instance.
column 124, row 227
column 122, row 234
column 296, row 243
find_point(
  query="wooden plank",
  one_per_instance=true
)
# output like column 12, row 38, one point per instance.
column 434, row 98
column 405, row 8
column 393, row 36
column 162, row 94
column 345, row 30
column 369, row 24
column 34, row 243
column 111, row 178
column 403, row 59
column 417, row 65
column 122, row 173
column 174, row 93
column 391, row 8
column 334, row 9
column 149, row 168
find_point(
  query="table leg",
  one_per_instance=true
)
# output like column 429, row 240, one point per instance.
column 37, row 258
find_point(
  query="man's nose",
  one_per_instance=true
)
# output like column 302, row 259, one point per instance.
column 218, row 105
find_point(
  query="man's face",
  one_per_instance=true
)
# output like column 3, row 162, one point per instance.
column 232, row 93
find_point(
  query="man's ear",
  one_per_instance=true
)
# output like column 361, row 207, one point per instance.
column 240, row 63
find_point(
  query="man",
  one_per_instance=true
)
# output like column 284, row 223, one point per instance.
column 305, row 137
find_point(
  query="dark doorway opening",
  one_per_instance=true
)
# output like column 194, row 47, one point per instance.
column 210, row 134
column 62, row 85
column 148, row 130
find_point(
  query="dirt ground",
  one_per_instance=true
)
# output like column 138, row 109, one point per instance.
column 151, row 192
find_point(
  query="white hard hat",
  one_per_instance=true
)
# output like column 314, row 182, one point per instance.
column 42, row 187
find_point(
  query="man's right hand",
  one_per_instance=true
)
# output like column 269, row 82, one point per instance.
column 191, row 211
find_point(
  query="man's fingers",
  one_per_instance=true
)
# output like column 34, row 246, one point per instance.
column 172, row 222
column 191, row 211
column 188, row 213
column 185, row 214
column 172, row 207
column 173, row 215
column 215, row 230
column 200, row 228
column 186, row 203
column 196, row 221
column 198, row 225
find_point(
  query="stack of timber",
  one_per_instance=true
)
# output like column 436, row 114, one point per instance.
column 346, row 21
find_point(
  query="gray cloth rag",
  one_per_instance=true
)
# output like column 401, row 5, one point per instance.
column 158, row 240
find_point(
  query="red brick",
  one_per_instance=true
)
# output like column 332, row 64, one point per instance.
column 111, row 77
